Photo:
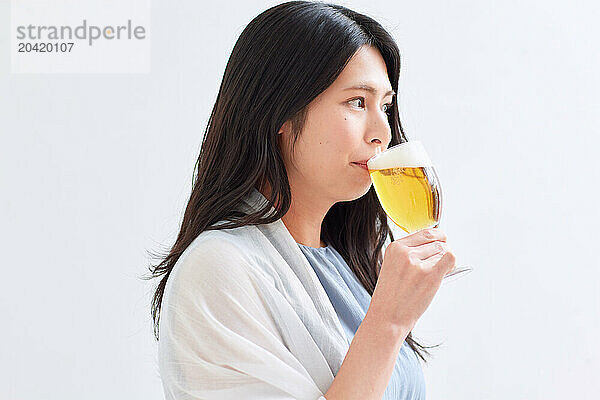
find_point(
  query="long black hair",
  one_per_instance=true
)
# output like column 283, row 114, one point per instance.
column 283, row 59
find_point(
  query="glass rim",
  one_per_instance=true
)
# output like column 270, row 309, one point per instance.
column 399, row 145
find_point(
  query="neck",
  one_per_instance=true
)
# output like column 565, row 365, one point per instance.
column 305, row 216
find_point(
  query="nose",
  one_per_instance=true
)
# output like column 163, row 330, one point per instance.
column 378, row 130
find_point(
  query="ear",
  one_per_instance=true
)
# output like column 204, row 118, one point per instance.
column 285, row 128
column 284, row 138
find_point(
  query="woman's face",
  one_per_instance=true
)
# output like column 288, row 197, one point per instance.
column 344, row 124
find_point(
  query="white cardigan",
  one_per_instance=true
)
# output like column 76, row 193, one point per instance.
column 244, row 316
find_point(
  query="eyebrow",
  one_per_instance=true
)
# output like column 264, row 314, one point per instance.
column 368, row 88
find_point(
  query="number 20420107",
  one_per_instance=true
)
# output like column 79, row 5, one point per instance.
column 45, row 47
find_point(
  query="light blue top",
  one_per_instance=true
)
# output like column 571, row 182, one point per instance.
column 351, row 302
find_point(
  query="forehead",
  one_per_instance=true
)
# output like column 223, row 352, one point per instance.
column 365, row 66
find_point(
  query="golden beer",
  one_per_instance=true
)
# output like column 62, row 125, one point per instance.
column 409, row 196
column 407, row 186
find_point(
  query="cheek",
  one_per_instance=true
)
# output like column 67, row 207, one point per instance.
column 343, row 132
column 332, row 140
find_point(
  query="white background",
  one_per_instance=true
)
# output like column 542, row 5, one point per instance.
column 95, row 171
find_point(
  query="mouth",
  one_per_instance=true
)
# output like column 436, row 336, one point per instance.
column 361, row 165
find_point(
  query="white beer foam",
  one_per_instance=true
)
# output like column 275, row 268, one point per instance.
column 411, row 154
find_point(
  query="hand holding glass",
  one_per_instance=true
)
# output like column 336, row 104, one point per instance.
column 408, row 188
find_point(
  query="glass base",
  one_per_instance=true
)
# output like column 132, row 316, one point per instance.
column 458, row 272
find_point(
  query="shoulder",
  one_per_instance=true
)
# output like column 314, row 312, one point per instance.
column 218, row 243
column 212, row 247
column 219, row 259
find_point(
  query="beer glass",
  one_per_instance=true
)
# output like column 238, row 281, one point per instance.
column 408, row 188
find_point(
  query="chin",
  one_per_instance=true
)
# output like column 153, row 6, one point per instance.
column 357, row 193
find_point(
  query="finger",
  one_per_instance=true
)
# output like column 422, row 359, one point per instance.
column 424, row 236
column 432, row 261
column 445, row 264
column 427, row 250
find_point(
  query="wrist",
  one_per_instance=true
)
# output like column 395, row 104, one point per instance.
column 380, row 321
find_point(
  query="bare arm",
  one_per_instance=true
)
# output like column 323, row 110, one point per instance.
column 367, row 368
column 411, row 274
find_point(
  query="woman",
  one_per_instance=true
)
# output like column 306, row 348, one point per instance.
column 277, row 286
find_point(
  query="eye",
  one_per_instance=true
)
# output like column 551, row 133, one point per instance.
column 360, row 103
column 388, row 108
column 360, row 100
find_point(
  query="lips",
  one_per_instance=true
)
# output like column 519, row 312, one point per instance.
column 361, row 164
